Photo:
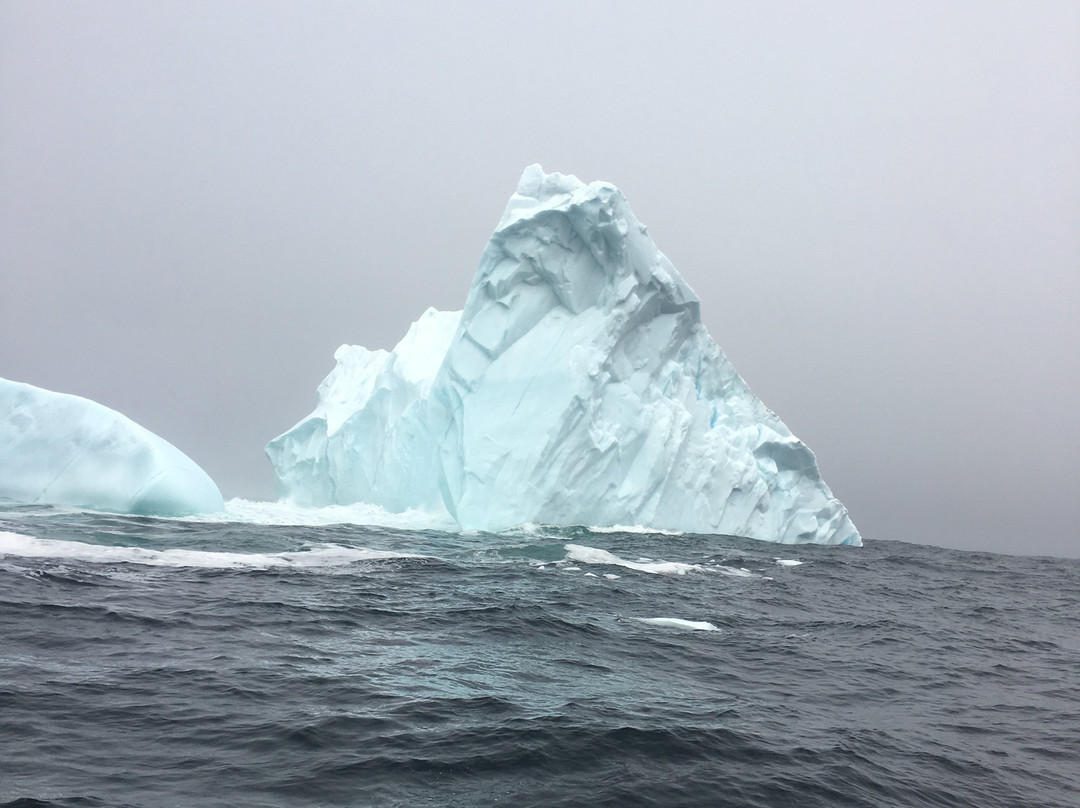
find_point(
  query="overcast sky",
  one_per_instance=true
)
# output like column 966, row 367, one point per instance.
column 878, row 204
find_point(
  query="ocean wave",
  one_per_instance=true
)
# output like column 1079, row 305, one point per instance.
column 678, row 622
column 330, row 555
column 635, row 529
column 286, row 513
column 591, row 555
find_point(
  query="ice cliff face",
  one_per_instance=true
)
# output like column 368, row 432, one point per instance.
column 578, row 386
column 65, row 450
column 358, row 445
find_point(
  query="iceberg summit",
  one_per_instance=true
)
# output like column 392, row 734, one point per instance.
column 578, row 387
column 60, row 449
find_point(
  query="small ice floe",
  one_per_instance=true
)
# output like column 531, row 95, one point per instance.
column 788, row 562
column 676, row 622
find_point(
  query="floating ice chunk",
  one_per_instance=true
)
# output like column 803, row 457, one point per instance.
column 578, row 387
column 61, row 449
column 675, row 622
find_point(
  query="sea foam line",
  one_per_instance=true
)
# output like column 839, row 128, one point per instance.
column 592, row 555
column 678, row 622
column 635, row 529
column 286, row 513
column 16, row 544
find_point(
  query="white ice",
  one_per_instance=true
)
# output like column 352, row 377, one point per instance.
column 61, row 449
column 578, row 387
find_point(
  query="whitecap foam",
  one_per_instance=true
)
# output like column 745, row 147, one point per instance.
column 678, row 622
column 330, row 555
column 735, row 572
column 634, row 529
column 592, row 555
column 286, row 513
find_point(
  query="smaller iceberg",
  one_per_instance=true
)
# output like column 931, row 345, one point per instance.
column 61, row 449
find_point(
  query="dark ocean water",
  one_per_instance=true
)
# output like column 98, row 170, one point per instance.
column 166, row 663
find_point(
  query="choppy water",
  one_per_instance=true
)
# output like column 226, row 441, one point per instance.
column 167, row 663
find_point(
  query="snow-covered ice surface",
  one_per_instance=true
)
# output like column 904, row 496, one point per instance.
column 66, row 450
column 578, row 387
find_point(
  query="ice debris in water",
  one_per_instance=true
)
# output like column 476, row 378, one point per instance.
column 61, row 449
column 578, row 387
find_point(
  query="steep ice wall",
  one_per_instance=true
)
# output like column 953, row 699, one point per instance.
column 578, row 387
column 61, row 449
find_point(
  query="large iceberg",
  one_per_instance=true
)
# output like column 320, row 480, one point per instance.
column 578, row 387
column 62, row 449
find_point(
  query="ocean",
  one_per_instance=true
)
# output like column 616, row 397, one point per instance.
column 276, row 661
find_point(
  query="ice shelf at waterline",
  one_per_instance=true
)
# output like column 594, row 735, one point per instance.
column 577, row 387
column 61, row 449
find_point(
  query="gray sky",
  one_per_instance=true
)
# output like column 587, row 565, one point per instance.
column 878, row 204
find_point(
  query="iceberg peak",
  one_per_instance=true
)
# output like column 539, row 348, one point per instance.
column 578, row 387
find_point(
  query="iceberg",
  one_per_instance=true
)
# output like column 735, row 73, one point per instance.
column 577, row 387
column 61, row 449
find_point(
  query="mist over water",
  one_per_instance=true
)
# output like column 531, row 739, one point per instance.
column 152, row 662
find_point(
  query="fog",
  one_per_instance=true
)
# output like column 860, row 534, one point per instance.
column 878, row 204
